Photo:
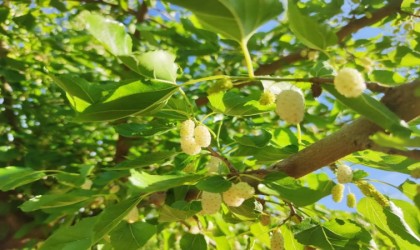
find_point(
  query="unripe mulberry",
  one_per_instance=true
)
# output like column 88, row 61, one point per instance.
column 369, row 190
column 344, row 174
column 337, row 192
column 351, row 200
column 213, row 165
column 189, row 146
column 220, row 85
column 187, row 129
column 267, row 98
column 202, row 136
column 245, row 190
column 277, row 241
column 237, row 194
column 290, row 105
column 349, row 82
column 313, row 55
column 210, row 202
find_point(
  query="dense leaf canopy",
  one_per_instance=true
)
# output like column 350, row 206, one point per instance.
column 93, row 94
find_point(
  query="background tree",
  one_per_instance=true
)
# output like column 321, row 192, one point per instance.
column 205, row 124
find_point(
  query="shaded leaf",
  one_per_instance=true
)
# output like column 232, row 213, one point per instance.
column 178, row 213
column 258, row 141
column 56, row 200
column 129, row 99
column 132, row 236
column 267, row 154
column 144, row 160
column 214, row 184
column 140, row 130
column 112, row 216
column 193, row 241
column 13, row 177
column 79, row 236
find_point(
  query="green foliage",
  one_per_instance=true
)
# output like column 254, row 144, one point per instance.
column 93, row 94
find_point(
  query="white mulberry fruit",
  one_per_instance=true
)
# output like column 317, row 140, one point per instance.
column 344, row 174
column 337, row 192
column 349, row 82
column 290, row 105
column 189, row 146
column 245, row 190
column 210, row 202
column 351, row 200
column 187, row 129
column 202, row 136
column 237, row 194
column 277, row 240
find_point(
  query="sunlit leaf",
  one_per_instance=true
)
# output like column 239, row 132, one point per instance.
column 234, row 19
column 309, row 31
column 110, row 33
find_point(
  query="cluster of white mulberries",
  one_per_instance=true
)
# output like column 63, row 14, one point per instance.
column 290, row 102
column 194, row 138
column 210, row 202
column 237, row 194
column 349, row 82
column 277, row 240
column 344, row 174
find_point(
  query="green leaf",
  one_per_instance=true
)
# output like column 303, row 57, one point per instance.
column 214, row 184
column 77, row 87
column 193, row 241
column 402, row 143
column 289, row 239
column 172, row 214
column 112, row 216
column 174, row 109
column 70, row 179
column 250, row 210
column 131, row 236
column 397, row 223
column 110, row 33
column 56, row 200
column 411, row 215
column 295, row 191
column 234, row 104
column 155, row 64
column 144, row 160
column 141, row 130
column 233, row 19
column 129, row 99
column 309, row 31
column 267, row 154
column 13, row 177
column 257, row 141
column 78, row 236
column 376, row 214
column 359, row 174
column 409, row 188
column 373, row 110
column 147, row 183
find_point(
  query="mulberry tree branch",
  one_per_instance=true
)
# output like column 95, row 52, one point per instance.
column 353, row 26
column 352, row 137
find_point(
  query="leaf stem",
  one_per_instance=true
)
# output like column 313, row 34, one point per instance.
column 190, row 106
column 248, row 59
column 299, row 134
